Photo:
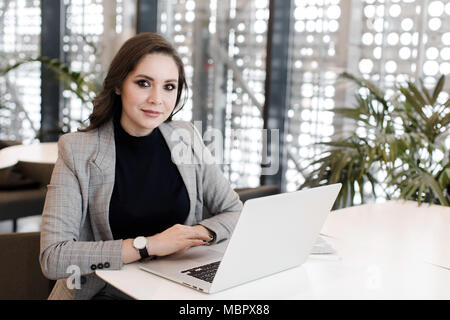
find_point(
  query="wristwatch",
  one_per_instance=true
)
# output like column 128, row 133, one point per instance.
column 140, row 243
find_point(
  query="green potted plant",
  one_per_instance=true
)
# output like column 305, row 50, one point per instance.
column 75, row 82
column 404, row 138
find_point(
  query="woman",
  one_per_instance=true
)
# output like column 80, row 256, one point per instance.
column 116, row 193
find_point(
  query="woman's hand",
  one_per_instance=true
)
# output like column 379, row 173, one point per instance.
column 177, row 238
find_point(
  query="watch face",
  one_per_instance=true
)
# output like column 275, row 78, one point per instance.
column 140, row 242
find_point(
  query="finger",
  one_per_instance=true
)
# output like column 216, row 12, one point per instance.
column 200, row 234
column 202, row 237
column 196, row 243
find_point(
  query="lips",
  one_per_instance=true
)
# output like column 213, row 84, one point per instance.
column 151, row 113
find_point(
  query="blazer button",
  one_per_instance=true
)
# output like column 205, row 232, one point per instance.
column 106, row 265
column 100, row 266
column 93, row 267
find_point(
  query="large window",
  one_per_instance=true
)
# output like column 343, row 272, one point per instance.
column 404, row 40
column 94, row 31
column 387, row 42
column 318, row 54
column 20, row 89
column 223, row 44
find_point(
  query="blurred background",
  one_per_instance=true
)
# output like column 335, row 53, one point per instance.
column 296, row 66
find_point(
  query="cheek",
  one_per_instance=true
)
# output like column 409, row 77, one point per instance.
column 131, row 98
column 171, row 100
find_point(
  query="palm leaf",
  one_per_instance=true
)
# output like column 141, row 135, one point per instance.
column 438, row 89
column 413, row 102
column 81, row 89
column 445, row 120
column 419, row 96
column 424, row 92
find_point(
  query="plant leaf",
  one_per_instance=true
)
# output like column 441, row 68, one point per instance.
column 437, row 89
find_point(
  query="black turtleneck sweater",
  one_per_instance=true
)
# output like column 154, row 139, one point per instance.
column 149, row 194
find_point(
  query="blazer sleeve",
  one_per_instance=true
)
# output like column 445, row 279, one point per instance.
column 218, row 196
column 62, row 219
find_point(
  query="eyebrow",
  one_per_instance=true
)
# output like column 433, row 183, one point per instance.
column 151, row 79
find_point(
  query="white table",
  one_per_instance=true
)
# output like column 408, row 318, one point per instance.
column 39, row 153
column 394, row 250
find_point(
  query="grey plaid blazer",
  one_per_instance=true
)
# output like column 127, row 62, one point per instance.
column 75, row 229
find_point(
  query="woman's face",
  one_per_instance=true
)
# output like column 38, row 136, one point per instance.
column 149, row 94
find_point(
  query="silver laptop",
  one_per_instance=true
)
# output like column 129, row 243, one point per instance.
column 273, row 234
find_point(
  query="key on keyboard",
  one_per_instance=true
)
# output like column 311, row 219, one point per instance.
column 205, row 272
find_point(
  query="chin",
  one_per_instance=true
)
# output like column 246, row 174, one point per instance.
column 151, row 125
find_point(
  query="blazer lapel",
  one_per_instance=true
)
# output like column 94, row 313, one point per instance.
column 187, row 169
column 101, row 182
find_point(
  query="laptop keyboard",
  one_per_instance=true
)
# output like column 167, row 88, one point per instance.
column 205, row 272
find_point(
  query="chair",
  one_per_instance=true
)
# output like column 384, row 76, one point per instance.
column 29, row 200
column 40, row 172
column 262, row 191
column 21, row 276
column 247, row 194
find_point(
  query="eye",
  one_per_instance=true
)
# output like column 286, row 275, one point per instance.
column 170, row 87
column 143, row 83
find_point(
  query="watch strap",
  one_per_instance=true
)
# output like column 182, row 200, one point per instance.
column 143, row 253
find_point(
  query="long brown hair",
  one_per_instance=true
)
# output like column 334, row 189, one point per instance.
column 108, row 103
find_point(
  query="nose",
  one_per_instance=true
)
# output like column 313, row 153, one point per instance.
column 155, row 96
